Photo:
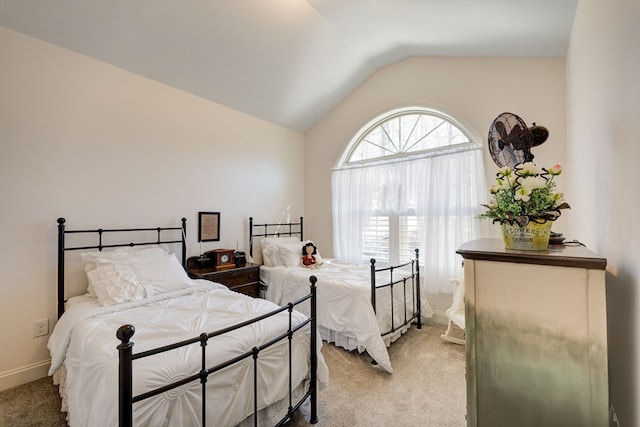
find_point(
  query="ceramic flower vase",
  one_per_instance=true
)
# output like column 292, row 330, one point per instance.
column 531, row 237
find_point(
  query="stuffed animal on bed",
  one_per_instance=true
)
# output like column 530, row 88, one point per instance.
column 309, row 250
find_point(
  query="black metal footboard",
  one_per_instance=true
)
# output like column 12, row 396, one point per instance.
column 125, row 348
column 409, row 285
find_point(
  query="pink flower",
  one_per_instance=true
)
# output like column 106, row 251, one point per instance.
column 555, row 170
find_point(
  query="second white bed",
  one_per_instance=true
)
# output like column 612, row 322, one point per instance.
column 345, row 314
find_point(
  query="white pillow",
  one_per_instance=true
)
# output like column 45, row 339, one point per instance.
column 115, row 283
column 270, row 253
column 291, row 253
column 122, row 255
column 136, row 279
column 161, row 274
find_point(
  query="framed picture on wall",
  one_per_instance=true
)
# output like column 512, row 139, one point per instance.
column 208, row 226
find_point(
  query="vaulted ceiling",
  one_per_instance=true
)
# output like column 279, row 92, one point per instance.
column 287, row 61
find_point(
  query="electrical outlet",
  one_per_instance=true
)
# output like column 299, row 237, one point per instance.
column 40, row 328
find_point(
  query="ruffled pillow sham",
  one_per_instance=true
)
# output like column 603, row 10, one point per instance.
column 124, row 255
column 114, row 278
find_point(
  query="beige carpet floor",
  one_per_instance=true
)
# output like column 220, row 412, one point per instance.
column 427, row 389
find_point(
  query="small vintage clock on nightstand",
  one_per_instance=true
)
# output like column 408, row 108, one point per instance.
column 222, row 258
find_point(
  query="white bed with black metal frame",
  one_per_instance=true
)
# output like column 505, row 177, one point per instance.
column 355, row 300
column 205, row 354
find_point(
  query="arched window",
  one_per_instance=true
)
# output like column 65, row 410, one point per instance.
column 412, row 178
column 405, row 133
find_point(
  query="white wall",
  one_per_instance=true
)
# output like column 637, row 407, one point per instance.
column 104, row 147
column 472, row 90
column 603, row 99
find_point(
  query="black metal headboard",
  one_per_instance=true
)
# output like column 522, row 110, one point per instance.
column 62, row 232
column 273, row 230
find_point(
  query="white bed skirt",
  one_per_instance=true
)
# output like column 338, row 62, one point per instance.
column 268, row 416
column 350, row 343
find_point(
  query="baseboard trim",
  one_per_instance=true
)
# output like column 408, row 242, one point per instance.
column 25, row 374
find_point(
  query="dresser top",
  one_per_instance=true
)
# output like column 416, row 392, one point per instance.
column 558, row 255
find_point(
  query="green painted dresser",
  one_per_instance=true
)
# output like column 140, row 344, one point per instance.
column 536, row 336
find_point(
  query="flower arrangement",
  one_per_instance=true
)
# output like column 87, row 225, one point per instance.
column 525, row 193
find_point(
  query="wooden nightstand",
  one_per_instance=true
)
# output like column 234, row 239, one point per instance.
column 245, row 280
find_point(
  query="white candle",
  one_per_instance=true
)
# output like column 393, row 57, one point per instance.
column 200, row 248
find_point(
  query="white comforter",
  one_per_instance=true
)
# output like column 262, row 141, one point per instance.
column 344, row 302
column 84, row 340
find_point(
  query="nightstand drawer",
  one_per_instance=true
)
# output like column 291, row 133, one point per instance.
column 245, row 280
column 251, row 289
column 237, row 276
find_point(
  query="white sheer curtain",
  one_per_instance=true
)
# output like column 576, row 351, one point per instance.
column 445, row 190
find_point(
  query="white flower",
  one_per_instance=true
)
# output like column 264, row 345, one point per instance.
column 522, row 193
column 502, row 184
column 527, row 169
column 533, row 182
column 505, row 171
column 558, row 198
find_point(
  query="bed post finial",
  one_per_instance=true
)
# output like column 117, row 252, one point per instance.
column 125, row 332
